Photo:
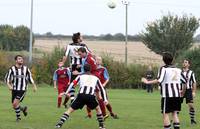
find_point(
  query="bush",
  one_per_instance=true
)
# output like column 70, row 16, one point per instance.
column 122, row 76
column 44, row 68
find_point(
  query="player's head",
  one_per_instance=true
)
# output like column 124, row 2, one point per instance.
column 77, row 38
column 60, row 63
column 82, row 52
column 99, row 60
column 19, row 59
column 167, row 58
column 87, row 68
column 186, row 63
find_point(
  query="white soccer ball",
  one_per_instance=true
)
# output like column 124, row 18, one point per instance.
column 111, row 4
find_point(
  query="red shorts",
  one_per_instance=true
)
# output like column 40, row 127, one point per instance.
column 62, row 88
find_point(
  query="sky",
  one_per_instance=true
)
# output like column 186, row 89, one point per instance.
column 91, row 17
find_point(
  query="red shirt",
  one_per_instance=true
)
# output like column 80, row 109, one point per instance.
column 62, row 76
column 102, row 74
column 91, row 61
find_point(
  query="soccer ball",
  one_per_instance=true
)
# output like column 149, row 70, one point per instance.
column 111, row 4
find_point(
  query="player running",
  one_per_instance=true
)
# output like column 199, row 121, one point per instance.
column 61, row 78
column 88, row 84
column 17, row 80
column 170, row 79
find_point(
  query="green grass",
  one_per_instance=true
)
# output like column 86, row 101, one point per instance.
column 136, row 109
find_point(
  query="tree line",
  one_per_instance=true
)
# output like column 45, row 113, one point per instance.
column 14, row 38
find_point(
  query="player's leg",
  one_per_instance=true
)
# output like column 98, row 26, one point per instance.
column 16, row 107
column 89, row 112
column 67, row 97
column 64, row 117
column 166, row 121
column 109, row 107
column 17, row 97
column 189, row 102
column 60, row 91
column 101, row 104
column 100, row 118
column 165, row 109
column 192, row 113
column 77, row 104
column 176, row 122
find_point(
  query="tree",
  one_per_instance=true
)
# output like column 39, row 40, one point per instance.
column 171, row 33
column 22, row 37
column 14, row 39
column 7, row 37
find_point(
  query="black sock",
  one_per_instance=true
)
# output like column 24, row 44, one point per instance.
column 100, row 120
column 192, row 114
column 176, row 125
column 167, row 127
column 17, row 111
column 63, row 118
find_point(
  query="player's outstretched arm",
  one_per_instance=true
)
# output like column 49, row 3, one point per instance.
column 144, row 80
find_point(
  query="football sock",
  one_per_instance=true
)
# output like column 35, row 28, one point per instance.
column 176, row 125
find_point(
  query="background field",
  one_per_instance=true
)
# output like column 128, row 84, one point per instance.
column 137, row 51
column 136, row 109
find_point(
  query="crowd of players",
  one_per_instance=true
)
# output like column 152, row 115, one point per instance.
column 87, row 72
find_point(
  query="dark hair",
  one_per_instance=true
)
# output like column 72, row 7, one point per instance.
column 167, row 58
column 189, row 61
column 87, row 68
column 76, row 37
column 18, row 56
column 82, row 49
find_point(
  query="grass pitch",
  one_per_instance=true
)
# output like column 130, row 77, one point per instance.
column 136, row 109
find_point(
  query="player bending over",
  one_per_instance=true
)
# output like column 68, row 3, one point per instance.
column 61, row 80
column 88, row 84
column 170, row 79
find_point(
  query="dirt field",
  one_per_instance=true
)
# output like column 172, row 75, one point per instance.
column 137, row 51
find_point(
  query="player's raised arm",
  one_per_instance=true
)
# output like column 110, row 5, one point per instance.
column 66, row 54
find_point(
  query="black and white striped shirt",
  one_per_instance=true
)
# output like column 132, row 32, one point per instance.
column 19, row 77
column 72, row 51
column 88, row 84
column 190, row 77
column 171, row 80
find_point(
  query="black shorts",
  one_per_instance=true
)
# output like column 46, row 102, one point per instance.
column 74, row 67
column 18, row 95
column 84, row 99
column 169, row 105
column 188, row 96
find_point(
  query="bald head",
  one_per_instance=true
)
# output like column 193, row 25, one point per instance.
column 99, row 60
